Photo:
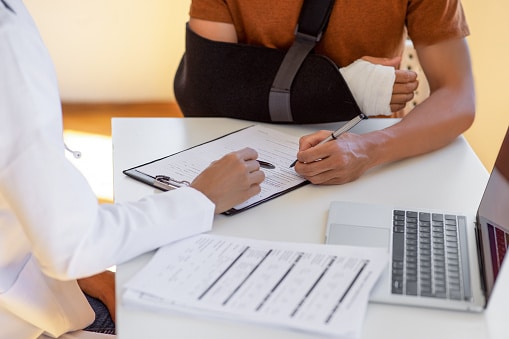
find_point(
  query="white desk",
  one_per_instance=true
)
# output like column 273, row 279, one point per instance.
column 300, row 216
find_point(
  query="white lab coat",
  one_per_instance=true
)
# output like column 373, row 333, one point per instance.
column 52, row 229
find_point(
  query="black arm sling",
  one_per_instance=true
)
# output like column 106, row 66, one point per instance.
column 217, row 79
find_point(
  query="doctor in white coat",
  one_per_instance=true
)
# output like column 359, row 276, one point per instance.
column 52, row 230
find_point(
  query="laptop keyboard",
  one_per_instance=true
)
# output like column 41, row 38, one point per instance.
column 428, row 255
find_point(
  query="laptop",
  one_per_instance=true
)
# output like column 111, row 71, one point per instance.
column 437, row 258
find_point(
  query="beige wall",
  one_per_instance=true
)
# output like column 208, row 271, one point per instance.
column 489, row 46
column 124, row 50
column 113, row 50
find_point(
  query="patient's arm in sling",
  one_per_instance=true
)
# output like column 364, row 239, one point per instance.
column 234, row 80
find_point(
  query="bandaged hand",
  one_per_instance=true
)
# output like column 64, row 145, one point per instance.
column 377, row 86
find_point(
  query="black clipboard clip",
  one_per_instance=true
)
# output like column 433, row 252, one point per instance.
column 166, row 183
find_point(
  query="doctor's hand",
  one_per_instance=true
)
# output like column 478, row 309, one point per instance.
column 335, row 162
column 231, row 180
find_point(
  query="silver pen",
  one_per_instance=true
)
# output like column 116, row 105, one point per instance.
column 343, row 129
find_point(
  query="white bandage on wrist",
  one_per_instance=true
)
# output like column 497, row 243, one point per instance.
column 371, row 86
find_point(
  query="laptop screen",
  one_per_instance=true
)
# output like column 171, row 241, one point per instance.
column 493, row 217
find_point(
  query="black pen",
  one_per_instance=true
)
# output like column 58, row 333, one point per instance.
column 343, row 129
column 265, row 164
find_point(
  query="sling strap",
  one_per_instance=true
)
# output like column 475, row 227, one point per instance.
column 313, row 20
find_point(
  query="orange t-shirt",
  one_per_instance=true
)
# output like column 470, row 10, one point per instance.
column 356, row 28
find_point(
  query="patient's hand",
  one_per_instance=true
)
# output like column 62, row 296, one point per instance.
column 404, row 85
column 379, row 88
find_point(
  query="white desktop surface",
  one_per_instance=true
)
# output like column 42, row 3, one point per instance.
column 454, row 172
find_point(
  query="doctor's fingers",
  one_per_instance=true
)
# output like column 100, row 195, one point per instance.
column 246, row 153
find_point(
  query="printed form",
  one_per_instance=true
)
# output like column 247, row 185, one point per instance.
column 275, row 147
column 310, row 287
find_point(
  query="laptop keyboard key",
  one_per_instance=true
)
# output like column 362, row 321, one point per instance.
column 397, row 286
column 398, row 246
column 411, row 287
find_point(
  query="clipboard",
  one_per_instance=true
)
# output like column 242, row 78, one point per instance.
column 179, row 169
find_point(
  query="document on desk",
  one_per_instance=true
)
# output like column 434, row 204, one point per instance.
column 310, row 287
column 274, row 147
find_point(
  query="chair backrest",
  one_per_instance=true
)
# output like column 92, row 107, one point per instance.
column 411, row 62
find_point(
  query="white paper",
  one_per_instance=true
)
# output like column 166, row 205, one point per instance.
column 310, row 287
column 277, row 148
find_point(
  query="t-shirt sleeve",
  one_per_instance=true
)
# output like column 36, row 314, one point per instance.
column 211, row 10
column 433, row 21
